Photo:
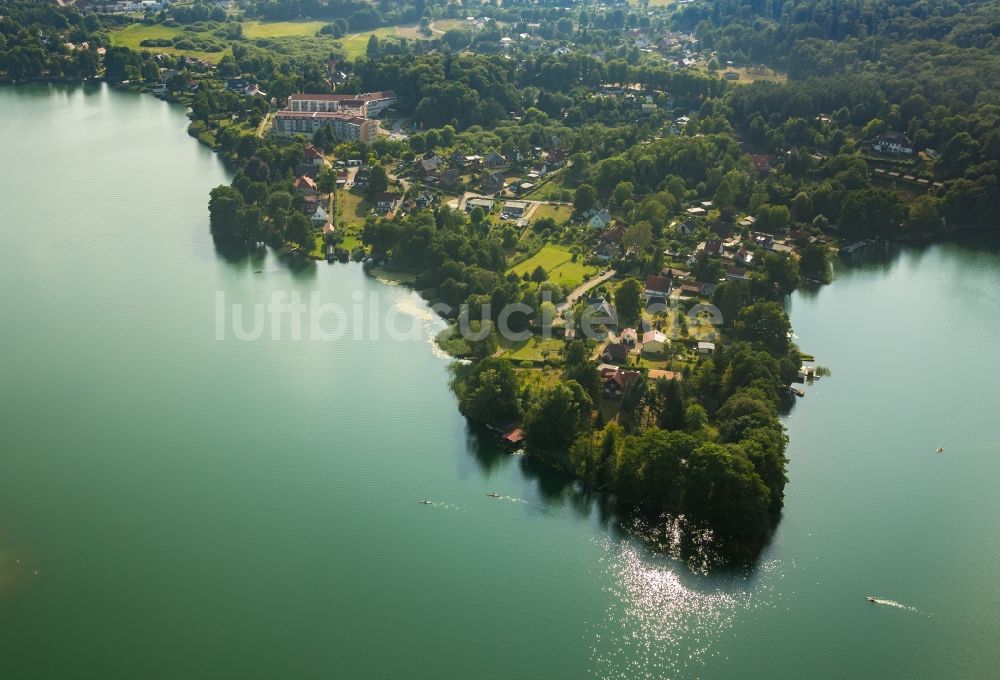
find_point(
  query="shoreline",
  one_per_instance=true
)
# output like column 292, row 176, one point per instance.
column 562, row 461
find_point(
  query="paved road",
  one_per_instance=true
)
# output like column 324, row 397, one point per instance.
column 579, row 291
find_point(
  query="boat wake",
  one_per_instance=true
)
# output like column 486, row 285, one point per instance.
column 892, row 603
column 510, row 499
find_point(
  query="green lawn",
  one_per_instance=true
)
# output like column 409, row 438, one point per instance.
column 281, row 29
column 353, row 208
column 132, row 37
column 549, row 191
column 356, row 44
column 535, row 349
column 560, row 213
column 558, row 264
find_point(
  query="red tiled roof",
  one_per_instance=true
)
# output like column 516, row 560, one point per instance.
column 658, row 284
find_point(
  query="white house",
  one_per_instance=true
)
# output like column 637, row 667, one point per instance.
column 654, row 342
column 598, row 219
column 893, row 142
column 320, row 215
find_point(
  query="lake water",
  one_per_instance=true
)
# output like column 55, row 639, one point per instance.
column 176, row 505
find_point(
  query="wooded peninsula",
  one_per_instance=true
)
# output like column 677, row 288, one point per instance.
column 662, row 173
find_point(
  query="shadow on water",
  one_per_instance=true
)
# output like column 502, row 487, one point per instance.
column 882, row 256
column 661, row 536
column 240, row 253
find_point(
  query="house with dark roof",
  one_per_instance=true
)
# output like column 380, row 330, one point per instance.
column 385, row 201
column 451, row 176
column 493, row 183
column 616, row 382
column 314, row 155
column 657, row 286
column 494, row 160
column 615, row 352
column 893, row 142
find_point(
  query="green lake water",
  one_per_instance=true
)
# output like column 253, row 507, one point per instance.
column 173, row 505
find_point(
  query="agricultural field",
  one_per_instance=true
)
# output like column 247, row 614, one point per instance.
column 200, row 44
column 281, row 29
column 356, row 44
column 557, row 261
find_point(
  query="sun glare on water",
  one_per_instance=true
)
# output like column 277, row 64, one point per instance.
column 666, row 621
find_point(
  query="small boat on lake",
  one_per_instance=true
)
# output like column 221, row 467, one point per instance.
column 493, row 495
column 872, row 599
column 940, row 449
column 426, row 502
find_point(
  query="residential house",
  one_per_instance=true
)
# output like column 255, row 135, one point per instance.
column 494, row 160
column 762, row 162
column 614, row 233
column 385, row 201
column 615, row 352
column 659, row 374
column 893, row 142
column 762, row 240
column 744, row 256
column 319, row 215
column 485, row 203
column 493, row 183
column 737, row 274
column 690, row 289
column 657, row 286
column 687, row 227
column 628, row 337
column 314, row 155
column 428, row 167
column 713, row 247
column 305, row 185
column 706, row 348
column 599, row 311
column 654, row 342
column 598, row 219
column 556, row 158
column 513, row 209
column 617, row 382
column 424, row 199
column 604, row 251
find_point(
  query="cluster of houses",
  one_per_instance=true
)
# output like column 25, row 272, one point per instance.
column 130, row 6
column 493, row 169
column 244, row 87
